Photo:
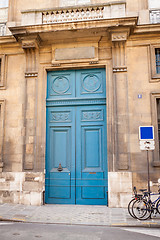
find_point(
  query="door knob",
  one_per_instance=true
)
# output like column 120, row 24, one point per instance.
column 60, row 168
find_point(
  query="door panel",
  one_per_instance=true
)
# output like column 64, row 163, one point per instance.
column 76, row 137
column 91, row 158
column 61, row 85
column 60, row 150
column 90, row 83
column 91, row 142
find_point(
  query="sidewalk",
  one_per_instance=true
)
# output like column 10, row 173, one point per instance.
column 73, row 214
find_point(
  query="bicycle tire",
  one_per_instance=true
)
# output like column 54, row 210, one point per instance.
column 158, row 206
column 141, row 209
column 130, row 204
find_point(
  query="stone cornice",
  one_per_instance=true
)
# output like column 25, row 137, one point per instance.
column 148, row 28
column 7, row 39
column 21, row 31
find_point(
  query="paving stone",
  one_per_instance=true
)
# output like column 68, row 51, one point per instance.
column 71, row 214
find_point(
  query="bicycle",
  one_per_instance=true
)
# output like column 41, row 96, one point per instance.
column 135, row 197
column 143, row 208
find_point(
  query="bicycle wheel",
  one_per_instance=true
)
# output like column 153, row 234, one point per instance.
column 141, row 209
column 130, row 204
column 158, row 206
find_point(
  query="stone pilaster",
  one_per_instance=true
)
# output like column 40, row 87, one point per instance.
column 30, row 47
column 120, row 99
column 2, row 115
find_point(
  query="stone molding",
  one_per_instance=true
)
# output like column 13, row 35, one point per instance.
column 31, row 74
column 155, row 77
column 7, row 39
column 119, row 69
column 126, row 22
column 147, row 29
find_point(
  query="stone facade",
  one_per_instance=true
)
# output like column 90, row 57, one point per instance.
column 40, row 36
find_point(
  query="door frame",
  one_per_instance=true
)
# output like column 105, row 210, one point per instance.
column 109, row 107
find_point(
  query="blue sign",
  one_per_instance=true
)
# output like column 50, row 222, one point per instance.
column 146, row 133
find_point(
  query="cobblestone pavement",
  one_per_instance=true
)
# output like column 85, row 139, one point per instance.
column 73, row 214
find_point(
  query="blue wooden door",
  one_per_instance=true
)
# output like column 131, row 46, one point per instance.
column 76, row 138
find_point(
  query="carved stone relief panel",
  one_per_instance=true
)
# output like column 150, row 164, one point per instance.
column 119, row 51
column 31, row 51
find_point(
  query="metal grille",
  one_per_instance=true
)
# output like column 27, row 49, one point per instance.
column 157, row 53
column 155, row 16
column 2, row 29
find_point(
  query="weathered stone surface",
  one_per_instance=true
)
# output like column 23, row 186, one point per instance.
column 119, row 188
column 74, row 53
column 22, row 188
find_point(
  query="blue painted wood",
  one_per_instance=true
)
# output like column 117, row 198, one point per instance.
column 76, row 137
column 60, row 149
column 91, row 156
column 61, row 85
column 90, row 83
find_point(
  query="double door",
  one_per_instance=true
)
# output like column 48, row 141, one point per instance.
column 76, row 145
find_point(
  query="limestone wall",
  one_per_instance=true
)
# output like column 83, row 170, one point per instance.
column 21, row 188
column 125, row 51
